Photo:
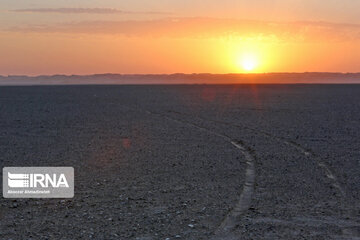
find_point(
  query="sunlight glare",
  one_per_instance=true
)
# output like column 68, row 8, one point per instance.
column 249, row 62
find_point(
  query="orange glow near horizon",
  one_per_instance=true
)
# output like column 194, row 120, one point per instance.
column 65, row 53
column 149, row 37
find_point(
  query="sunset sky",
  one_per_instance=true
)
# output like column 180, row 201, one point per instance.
column 169, row 36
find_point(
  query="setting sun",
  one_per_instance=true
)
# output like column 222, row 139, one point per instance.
column 249, row 62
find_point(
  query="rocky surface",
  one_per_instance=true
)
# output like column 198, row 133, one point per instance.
column 172, row 162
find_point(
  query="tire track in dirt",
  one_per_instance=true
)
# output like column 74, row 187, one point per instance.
column 307, row 153
column 347, row 232
column 243, row 204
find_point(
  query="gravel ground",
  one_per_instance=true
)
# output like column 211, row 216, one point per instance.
column 187, row 162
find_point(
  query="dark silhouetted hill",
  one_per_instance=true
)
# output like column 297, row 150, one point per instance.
column 179, row 78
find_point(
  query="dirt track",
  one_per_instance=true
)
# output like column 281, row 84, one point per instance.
column 187, row 162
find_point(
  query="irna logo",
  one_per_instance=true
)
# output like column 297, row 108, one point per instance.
column 18, row 180
column 38, row 182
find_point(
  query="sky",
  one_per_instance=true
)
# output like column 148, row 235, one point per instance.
column 41, row 37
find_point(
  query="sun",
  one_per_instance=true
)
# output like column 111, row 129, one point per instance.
column 249, row 62
column 248, row 57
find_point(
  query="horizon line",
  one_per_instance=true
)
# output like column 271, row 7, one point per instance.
column 169, row 74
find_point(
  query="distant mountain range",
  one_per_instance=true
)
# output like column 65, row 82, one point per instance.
column 180, row 78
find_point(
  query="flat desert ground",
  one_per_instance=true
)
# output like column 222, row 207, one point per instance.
column 186, row 161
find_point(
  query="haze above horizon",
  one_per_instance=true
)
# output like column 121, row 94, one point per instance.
column 148, row 37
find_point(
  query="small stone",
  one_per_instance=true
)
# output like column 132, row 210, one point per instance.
column 14, row 205
column 191, row 225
